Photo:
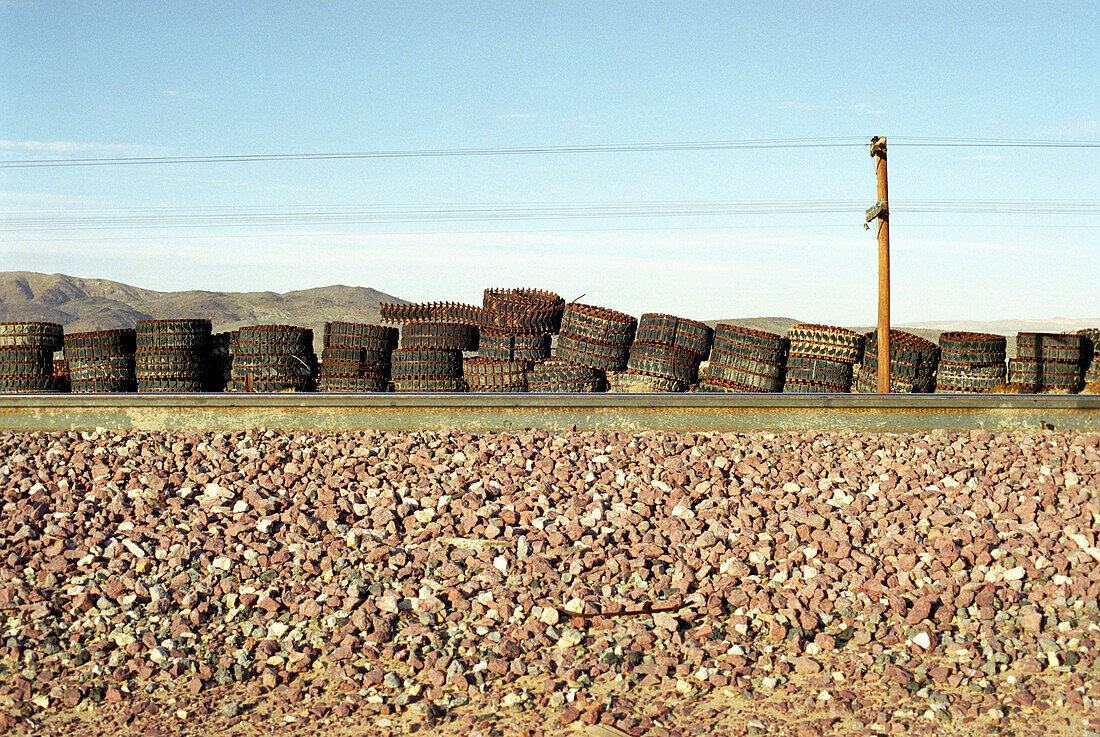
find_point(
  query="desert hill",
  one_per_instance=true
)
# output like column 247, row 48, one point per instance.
column 100, row 304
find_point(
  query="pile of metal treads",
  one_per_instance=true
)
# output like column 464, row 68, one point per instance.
column 744, row 360
column 821, row 359
column 970, row 363
column 559, row 375
column 516, row 332
column 495, row 374
column 501, row 346
column 272, row 358
column 356, row 357
column 172, row 355
column 26, row 356
column 219, row 369
column 912, row 365
column 592, row 337
column 521, row 312
column 102, row 361
column 430, row 356
column 664, row 356
column 1049, row 363
column 1091, row 348
column 61, row 374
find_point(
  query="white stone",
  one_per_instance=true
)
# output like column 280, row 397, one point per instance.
column 682, row 512
column 134, row 548
column 662, row 486
column 222, row 563
column 922, row 640
column 278, row 629
column 1015, row 574
column 501, row 564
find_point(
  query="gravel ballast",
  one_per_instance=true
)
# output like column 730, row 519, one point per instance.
column 655, row 583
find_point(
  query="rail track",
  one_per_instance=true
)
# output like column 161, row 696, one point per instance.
column 497, row 412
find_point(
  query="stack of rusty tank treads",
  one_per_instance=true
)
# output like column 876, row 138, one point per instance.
column 451, row 312
column 1049, row 363
column 912, row 365
column 172, row 355
column 559, row 375
column 513, row 347
column 744, row 360
column 26, row 356
column 522, row 311
column 272, row 358
column 219, row 370
column 595, row 337
column 821, row 359
column 1091, row 359
column 494, row 375
column 356, row 357
column 970, row 363
column 430, row 356
column 102, row 361
column 666, row 348
column 61, row 374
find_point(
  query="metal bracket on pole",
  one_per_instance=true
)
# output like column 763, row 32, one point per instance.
column 878, row 210
column 878, row 147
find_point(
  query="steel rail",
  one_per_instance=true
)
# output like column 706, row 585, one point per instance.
column 498, row 412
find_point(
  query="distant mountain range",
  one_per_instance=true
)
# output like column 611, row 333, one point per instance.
column 100, row 304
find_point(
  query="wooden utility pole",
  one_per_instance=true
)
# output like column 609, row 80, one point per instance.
column 881, row 212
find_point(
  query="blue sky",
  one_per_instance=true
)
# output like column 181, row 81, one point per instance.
column 182, row 79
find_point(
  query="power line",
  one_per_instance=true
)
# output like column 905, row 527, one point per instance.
column 668, row 146
column 216, row 217
column 730, row 145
